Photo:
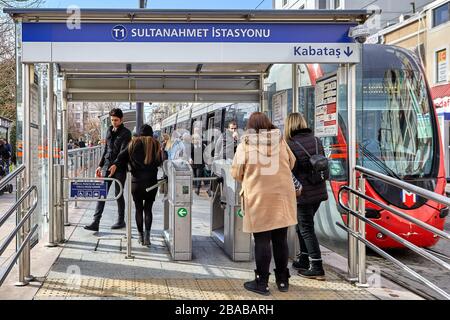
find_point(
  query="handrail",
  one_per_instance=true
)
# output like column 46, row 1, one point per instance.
column 83, row 149
column 403, row 215
column 397, row 238
column 16, row 205
column 395, row 261
column 10, row 176
column 361, row 216
column 404, row 185
column 13, row 233
column 8, row 269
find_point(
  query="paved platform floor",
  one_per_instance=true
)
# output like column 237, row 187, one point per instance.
column 83, row 271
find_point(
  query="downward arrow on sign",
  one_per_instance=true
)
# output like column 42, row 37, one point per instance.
column 348, row 52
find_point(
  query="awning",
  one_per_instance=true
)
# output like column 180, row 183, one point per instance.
column 441, row 95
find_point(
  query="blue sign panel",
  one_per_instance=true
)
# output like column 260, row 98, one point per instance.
column 189, row 32
column 85, row 189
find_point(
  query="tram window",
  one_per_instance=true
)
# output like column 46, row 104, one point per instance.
column 210, row 129
column 240, row 113
column 396, row 130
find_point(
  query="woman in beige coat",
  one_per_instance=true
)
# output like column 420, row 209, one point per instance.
column 263, row 163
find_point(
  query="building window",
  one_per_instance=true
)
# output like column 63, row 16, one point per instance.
column 441, row 66
column 441, row 14
column 337, row 4
column 322, row 4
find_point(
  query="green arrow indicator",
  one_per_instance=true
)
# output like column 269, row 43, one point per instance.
column 182, row 212
column 240, row 213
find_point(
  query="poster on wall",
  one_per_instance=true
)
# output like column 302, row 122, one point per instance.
column 442, row 66
column 326, row 113
column 279, row 108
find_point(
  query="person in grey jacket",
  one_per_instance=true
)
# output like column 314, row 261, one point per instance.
column 226, row 145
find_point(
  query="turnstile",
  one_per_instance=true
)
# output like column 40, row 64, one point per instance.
column 178, row 224
column 227, row 216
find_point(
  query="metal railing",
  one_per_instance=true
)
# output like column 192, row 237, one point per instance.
column 83, row 161
column 22, row 231
column 359, row 234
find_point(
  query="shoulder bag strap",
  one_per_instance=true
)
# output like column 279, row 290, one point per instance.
column 303, row 148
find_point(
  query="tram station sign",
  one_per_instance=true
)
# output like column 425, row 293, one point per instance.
column 190, row 42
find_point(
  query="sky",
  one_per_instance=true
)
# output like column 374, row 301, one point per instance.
column 163, row 4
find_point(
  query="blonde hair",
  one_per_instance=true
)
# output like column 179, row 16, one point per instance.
column 294, row 122
column 151, row 148
column 169, row 141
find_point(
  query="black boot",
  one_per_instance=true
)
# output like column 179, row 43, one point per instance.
column 93, row 226
column 314, row 272
column 141, row 238
column 282, row 279
column 259, row 285
column 302, row 263
column 147, row 238
column 120, row 222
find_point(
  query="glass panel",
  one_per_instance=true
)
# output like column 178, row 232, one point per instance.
column 398, row 131
column 441, row 14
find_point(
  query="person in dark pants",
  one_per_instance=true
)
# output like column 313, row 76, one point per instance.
column 298, row 135
column 196, row 161
column 267, row 198
column 117, row 139
column 144, row 154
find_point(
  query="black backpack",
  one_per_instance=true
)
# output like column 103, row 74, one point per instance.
column 319, row 164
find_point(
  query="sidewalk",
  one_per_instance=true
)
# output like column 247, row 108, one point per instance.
column 81, row 272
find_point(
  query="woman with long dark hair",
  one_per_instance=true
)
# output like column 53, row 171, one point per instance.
column 263, row 163
column 144, row 155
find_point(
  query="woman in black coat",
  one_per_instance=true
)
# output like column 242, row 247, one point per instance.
column 144, row 157
column 300, row 138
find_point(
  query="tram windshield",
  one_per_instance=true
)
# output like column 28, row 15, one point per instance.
column 396, row 126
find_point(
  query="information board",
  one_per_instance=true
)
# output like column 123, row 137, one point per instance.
column 326, row 112
column 88, row 189
column 279, row 107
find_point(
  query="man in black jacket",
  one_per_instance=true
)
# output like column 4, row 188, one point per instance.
column 117, row 139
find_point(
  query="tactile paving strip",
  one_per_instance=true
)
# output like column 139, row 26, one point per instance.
column 195, row 289
column 152, row 289
column 119, row 288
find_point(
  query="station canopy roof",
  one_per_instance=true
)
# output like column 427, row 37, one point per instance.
column 173, row 81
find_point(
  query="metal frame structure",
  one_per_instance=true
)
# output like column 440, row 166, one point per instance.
column 88, row 80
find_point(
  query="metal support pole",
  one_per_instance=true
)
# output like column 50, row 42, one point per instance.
column 50, row 136
column 362, row 279
column 58, row 189
column 351, row 147
column 65, row 130
column 139, row 116
column 262, row 105
column 27, row 160
column 295, row 87
column 129, row 237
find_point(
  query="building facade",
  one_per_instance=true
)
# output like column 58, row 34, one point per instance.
column 390, row 10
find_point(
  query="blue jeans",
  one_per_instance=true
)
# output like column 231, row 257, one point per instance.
column 305, row 230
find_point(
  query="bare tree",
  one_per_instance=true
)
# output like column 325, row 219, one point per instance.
column 8, row 61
